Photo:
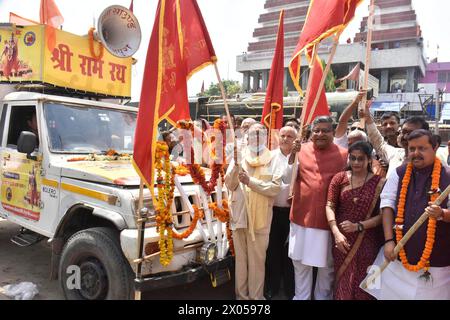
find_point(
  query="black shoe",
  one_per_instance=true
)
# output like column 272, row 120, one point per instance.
column 268, row 295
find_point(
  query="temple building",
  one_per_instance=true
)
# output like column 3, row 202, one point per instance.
column 397, row 61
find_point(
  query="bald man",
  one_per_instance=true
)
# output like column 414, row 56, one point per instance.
column 278, row 264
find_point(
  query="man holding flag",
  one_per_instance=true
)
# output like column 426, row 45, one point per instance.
column 310, row 237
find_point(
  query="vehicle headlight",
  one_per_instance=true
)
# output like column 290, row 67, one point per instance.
column 208, row 253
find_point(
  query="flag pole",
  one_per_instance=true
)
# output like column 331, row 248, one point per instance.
column 324, row 77
column 316, row 102
column 368, row 57
column 225, row 102
column 300, row 133
column 140, row 223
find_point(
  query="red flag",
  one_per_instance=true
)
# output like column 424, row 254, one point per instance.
column 21, row 21
column 353, row 75
column 179, row 46
column 131, row 6
column 322, row 106
column 49, row 14
column 324, row 18
column 272, row 116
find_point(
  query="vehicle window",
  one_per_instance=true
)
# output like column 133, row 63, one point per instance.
column 23, row 118
column 81, row 129
column 2, row 122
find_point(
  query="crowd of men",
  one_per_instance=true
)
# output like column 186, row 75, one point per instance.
column 356, row 192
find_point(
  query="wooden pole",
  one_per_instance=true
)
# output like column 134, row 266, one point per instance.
column 141, row 220
column 313, row 109
column 406, row 237
column 225, row 102
column 368, row 57
column 324, row 77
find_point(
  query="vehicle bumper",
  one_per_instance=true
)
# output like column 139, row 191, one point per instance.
column 189, row 274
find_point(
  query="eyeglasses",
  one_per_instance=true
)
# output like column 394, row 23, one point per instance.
column 324, row 130
column 357, row 128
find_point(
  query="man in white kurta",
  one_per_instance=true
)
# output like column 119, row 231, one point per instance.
column 252, row 186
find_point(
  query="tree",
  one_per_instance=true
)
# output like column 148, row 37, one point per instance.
column 231, row 88
column 330, row 80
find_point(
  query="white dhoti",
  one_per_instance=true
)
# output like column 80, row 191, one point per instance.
column 397, row 283
column 308, row 248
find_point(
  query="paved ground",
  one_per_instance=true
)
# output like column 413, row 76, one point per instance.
column 33, row 264
column 26, row 264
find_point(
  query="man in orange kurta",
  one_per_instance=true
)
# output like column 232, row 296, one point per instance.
column 310, row 237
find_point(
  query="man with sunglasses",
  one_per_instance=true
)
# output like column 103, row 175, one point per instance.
column 310, row 236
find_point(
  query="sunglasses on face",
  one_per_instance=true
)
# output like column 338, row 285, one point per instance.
column 356, row 128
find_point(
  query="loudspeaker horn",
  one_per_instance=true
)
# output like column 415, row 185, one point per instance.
column 119, row 31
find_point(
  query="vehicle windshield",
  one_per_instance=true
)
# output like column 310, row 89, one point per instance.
column 74, row 129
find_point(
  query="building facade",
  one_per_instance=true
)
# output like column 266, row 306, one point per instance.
column 397, row 47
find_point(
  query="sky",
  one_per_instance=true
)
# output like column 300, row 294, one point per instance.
column 230, row 23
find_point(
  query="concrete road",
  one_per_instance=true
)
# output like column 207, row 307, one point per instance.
column 33, row 264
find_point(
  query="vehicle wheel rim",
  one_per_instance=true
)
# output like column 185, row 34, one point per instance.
column 94, row 280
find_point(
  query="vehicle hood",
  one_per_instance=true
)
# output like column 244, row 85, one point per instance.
column 120, row 173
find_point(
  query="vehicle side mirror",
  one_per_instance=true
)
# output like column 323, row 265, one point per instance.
column 27, row 143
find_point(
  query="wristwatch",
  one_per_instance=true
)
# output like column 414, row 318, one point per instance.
column 360, row 227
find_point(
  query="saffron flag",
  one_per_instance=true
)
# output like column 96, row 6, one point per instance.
column 179, row 46
column 322, row 106
column 49, row 14
column 272, row 116
column 21, row 21
column 324, row 18
column 353, row 75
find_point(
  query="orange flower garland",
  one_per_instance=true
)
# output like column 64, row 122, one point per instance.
column 197, row 216
column 166, row 188
column 196, row 171
column 431, row 228
column 224, row 216
column 91, row 45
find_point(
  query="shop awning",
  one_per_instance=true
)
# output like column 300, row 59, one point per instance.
column 387, row 106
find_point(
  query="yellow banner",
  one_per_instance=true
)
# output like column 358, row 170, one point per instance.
column 21, row 54
column 70, row 64
column 63, row 59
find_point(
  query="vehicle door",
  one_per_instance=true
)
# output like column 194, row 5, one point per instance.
column 21, row 173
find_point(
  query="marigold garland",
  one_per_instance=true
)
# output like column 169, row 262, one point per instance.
column 196, row 171
column 224, row 216
column 91, row 46
column 424, row 262
column 198, row 214
column 166, row 188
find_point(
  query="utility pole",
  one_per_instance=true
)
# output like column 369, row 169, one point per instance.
column 439, row 93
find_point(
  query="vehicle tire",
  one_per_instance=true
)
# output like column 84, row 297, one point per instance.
column 104, row 273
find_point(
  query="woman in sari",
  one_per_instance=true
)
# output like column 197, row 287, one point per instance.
column 353, row 215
